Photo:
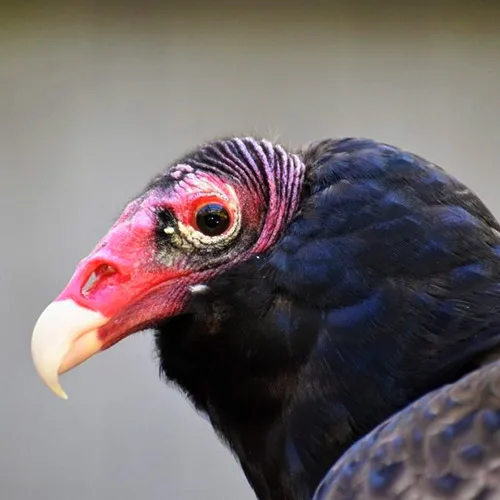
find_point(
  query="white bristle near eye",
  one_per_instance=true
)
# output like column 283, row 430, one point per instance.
column 199, row 288
column 169, row 230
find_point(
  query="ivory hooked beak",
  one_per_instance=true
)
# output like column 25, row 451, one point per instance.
column 65, row 335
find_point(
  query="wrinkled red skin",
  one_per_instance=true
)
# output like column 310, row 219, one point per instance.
column 137, row 290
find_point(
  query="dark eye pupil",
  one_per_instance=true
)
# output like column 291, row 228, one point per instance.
column 212, row 219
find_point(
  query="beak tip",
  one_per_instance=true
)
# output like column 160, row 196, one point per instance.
column 64, row 336
column 56, row 388
column 59, row 391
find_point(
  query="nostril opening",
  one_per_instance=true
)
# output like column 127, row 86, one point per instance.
column 103, row 271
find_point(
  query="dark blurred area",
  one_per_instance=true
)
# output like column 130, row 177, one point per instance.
column 96, row 97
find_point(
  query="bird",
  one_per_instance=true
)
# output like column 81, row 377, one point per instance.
column 332, row 310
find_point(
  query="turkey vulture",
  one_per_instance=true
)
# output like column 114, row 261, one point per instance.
column 333, row 311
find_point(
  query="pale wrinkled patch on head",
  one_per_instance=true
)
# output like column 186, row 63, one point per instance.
column 180, row 170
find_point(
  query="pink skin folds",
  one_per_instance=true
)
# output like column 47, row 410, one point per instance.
column 132, row 279
column 131, row 287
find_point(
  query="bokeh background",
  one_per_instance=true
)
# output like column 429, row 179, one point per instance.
column 96, row 97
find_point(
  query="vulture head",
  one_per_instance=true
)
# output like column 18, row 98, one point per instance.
column 298, row 298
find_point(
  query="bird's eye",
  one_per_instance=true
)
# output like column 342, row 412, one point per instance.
column 212, row 219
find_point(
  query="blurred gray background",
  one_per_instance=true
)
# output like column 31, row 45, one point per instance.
column 94, row 100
